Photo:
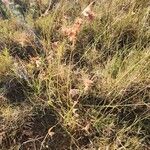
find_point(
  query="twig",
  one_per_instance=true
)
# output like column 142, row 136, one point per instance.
column 31, row 140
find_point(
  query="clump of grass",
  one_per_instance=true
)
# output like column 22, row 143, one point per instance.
column 88, row 87
column 6, row 62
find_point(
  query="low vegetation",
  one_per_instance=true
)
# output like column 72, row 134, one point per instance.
column 76, row 75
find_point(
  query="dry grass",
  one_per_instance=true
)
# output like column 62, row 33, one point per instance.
column 87, row 86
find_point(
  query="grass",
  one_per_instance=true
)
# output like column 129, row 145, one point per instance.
column 84, row 85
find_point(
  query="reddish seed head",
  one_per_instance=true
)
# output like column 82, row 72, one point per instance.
column 6, row 2
column 88, row 13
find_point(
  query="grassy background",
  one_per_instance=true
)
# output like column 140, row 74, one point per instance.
column 94, row 94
